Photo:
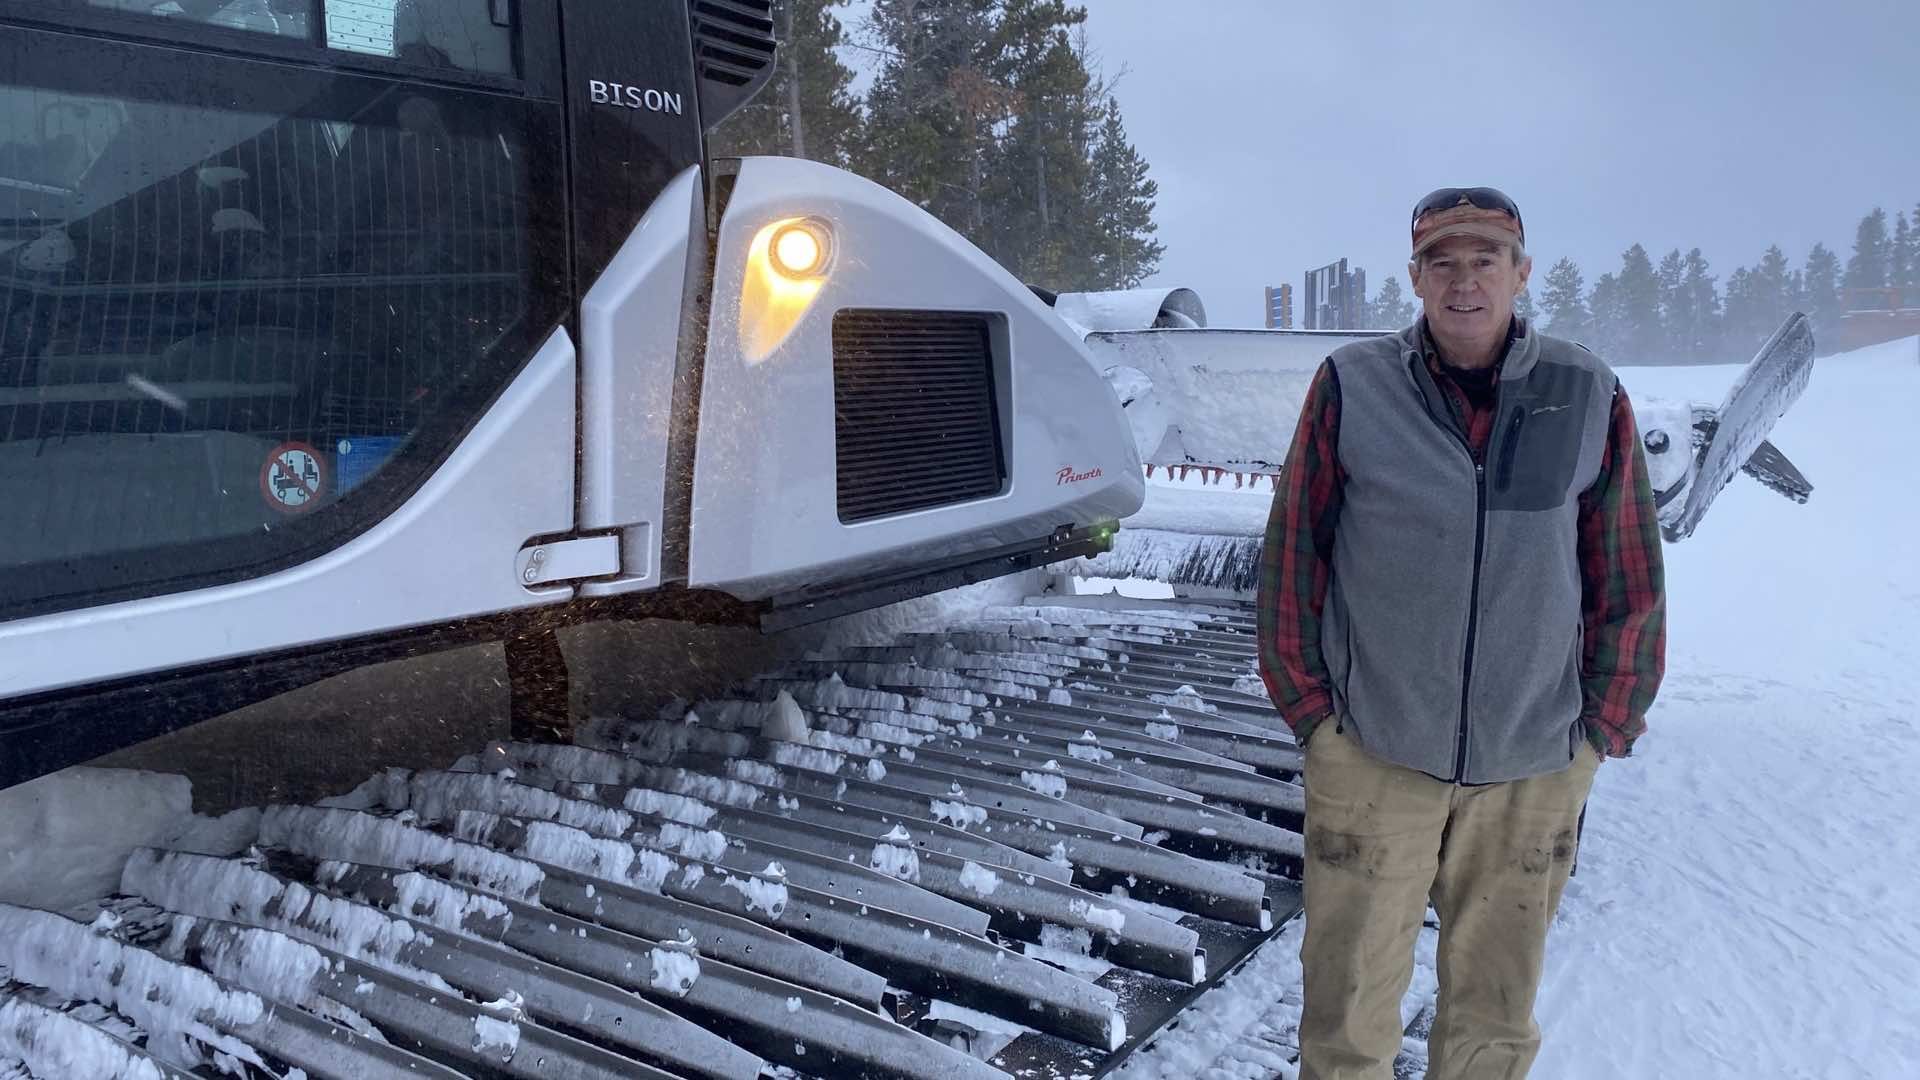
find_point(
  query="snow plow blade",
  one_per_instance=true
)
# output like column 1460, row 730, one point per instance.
column 1763, row 393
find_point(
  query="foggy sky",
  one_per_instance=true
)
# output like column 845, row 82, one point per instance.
column 1286, row 135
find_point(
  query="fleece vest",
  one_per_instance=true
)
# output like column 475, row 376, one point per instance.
column 1452, row 627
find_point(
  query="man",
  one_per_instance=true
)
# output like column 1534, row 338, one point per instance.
column 1462, row 611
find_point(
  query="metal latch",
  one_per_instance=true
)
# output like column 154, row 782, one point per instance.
column 568, row 560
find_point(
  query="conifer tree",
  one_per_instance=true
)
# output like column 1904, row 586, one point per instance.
column 807, row 108
column 1639, row 313
column 1123, row 199
column 1821, row 283
column 1673, row 302
column 1564, row 302
column 1606, row 307
column 1900, row 268
column 1390, row 309
column 1867, row 269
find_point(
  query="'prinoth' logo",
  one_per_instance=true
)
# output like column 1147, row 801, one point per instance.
column 1068, row 476
column 634, row 97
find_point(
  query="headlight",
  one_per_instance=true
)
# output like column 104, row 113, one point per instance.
column 800, row 249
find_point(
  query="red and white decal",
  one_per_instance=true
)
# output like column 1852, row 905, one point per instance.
column 1068, row 476
column 293, row 478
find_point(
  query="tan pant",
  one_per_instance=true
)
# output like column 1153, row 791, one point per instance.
column 1381, row 841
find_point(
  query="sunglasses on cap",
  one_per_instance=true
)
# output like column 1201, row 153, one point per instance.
column 1485, row 198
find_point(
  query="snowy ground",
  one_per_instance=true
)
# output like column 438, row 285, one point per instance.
column 1745, row 905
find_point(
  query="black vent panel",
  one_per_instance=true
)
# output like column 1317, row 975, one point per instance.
column 915, row 420
column 733, row 50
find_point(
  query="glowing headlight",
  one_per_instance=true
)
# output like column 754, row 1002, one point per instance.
column 800, row 249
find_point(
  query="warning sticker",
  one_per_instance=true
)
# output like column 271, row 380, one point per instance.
column 293, row 477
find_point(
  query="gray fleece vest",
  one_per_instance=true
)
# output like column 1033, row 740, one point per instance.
column 1452, row 629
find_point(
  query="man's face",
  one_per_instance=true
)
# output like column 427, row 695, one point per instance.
column 1467, row 285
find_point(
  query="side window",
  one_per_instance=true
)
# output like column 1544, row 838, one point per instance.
column 230, row 339
column 471, row 35
column 287, row 18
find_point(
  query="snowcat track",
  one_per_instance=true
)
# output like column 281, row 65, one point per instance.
column 1021, row 847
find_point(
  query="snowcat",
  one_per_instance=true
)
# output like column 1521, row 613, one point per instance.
column 338, row 332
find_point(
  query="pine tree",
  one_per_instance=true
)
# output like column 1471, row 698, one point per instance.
column 1673, row 303
column 1913, row 257
column 1122, row 197
column 1900, row 268
column 1743, row 317
column 1640, row 334
column 1772, row 292
column 1821, row 283
column 1564, row 302
column 1607, row 308
column 807, row 108
column 1523, row 305
column 1390, row 309
column 1868, row 267
column 1694, row 327
column 933, row 107
column 1040, row 196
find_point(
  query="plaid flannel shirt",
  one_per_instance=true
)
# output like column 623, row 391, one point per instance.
column 1621, row 570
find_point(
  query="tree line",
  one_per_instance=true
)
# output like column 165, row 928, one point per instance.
column 1679, row 312
column 990, row 114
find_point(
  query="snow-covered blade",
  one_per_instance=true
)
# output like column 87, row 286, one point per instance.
column 1763, row 393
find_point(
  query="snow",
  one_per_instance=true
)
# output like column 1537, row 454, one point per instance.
column 1743, row 900
column 958, row 814
column 783, row 720
column 978, row 878
column 438, row 796
column 876, row 772
column 674, row 971
column 197, row 885
column 64, row 837
column 355, row 836
column 433, row 901
column 1163, row 731
column 762, row 895
column 1057, row 696
column 754, row 772
column 1088, row 967
column 1048, row 784
column 1084, row 752
column 495, row 1038
column 170, row 1001
column 806, row 757
column 1066, row 939
column 705, row 844
column 699, row 786
column 1185, row 697
column 895, row 860
column 54, row 1044
column 1108, row 919
column 679, row 808
column 562, row 845
column 973, row 1018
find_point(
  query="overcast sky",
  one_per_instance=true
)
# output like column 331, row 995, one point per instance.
column 1287, row 135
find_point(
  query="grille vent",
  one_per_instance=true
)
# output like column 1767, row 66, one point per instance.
column 916, row 424
column 733, row 49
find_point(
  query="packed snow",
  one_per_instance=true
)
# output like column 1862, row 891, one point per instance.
column 54, row 1044
column 978, row 878
column 674, row 971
